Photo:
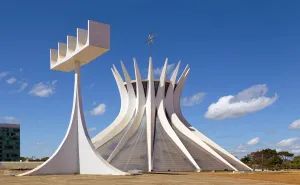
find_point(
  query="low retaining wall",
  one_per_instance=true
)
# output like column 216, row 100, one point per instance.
column 19, row 165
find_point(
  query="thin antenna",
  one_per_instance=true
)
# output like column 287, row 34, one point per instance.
column 150, row 40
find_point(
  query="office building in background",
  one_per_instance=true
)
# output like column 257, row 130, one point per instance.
column 9, row 142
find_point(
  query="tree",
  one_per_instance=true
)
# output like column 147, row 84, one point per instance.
column 285, row 155
column 267, row 158
column 271, row 159
column 296, row 158
column 287, row 159
column 44, row 158
column 23, row 159
column 296, row 162
column 246, row 159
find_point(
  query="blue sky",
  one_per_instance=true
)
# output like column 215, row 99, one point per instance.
column 246, row 47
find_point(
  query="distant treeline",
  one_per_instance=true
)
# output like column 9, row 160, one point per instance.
column 272, row 160
column 33, row 159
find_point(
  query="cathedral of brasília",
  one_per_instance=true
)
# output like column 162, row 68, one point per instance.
column 150, row 132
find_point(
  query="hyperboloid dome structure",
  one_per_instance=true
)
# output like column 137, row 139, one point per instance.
column 150, row 132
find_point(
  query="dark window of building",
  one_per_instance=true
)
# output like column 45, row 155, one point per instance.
column 9, row 147
column 4, row 129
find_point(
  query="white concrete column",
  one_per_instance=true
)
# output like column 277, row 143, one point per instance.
column 150, row 115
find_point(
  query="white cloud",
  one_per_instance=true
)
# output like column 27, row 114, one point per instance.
column 245, row 148
column 254, row 141
column 157, row 71
column 296, row 151
column 3, row 74
column 295, row 125
column 295, row 147
column 11, row 80
column 91, row 129
column 291, row 145
column 99, row 110
column 43, row 89
column 9, row 119
column 238, row 152
column 287, row 142
column 193, row 100
column 247, row 101
column 240, row 147
column 23, row 86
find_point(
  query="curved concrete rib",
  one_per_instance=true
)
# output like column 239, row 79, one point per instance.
column 177, row 96
column 82, row 36
column 164, row 121
column 121, row 121
column 62, row 50
column 140, row 109
column 150, row 114
column 53, row 57
column 130, row 89
column 76, row 154
column 179, row 125
column 179, row 116
column 216, row 146
column 161, row 87
column 127, row 115
column 71, row 44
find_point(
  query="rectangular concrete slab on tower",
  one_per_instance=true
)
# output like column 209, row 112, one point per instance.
column 88, row 45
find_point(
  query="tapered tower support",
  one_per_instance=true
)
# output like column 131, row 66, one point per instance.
column 76, row 153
